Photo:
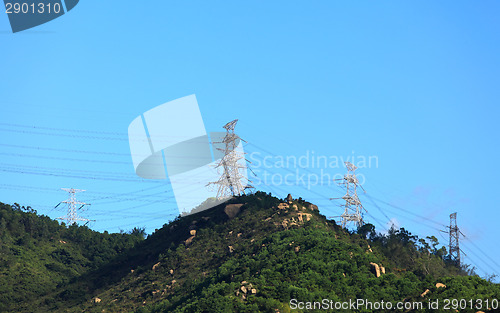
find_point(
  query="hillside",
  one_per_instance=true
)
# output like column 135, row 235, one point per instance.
column 37, row 254
column 254, row 254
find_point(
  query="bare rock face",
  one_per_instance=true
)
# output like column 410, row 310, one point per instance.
column 425, row 293
column 232, row 210
column 289, row 198
column 192, row 232
column 231, row 249
column 96, row 300
column 440, row 285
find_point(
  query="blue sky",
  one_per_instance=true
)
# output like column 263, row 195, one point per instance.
column 414, row 84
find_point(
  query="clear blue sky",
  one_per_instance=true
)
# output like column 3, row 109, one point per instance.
column 415, row 84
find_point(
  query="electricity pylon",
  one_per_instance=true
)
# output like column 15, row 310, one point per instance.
column 72, row 216
column 352, row 207
column 454, row 232
column 230, row 182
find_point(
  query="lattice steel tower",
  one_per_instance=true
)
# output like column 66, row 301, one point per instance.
column 454, row 238
column 231, row 182
column 352, row 207
column 72, row 216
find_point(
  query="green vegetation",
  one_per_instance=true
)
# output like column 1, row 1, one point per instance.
column 253, row 255
column 37, row 254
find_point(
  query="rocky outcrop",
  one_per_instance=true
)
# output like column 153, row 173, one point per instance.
column 304, row 216
column 283, row 206
column 312, row 207
column 440, row 285
column 245, row 289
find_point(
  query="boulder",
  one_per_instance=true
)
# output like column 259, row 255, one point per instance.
column 232, row 210
column 376, row 267
column 439, row 285
column 156, row 266
column 96, row 300
column 189, row 240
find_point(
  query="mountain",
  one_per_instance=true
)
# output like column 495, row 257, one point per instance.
column 254, row 253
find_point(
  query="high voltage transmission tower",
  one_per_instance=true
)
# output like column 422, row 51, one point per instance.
column 352, row 207
column 454, row 233
column 72, row 216
column 230, row 182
